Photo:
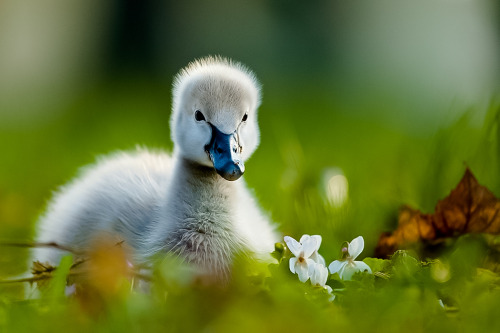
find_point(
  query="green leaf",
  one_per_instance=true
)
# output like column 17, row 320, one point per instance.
column 335, row 282
column 405, row 266
column 378, row 265
column 57, row 286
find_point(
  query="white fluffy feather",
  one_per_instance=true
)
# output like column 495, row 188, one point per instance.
column 158, row 202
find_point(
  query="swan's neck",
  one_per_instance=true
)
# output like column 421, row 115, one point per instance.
column 201, row 188
column 202, row 206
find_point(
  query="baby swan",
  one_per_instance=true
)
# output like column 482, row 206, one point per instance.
column 192, row 203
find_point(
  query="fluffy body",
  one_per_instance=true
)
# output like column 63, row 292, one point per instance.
column 177, row 203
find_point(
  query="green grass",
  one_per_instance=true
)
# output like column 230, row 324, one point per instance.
column 386, row 166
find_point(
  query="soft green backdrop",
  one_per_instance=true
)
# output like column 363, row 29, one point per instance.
column 399, row 97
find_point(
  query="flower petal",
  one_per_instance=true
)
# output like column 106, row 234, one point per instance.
column 336, row 266
column 292, row 264
column 356, row 246
column 363, row 267
column 324, row 275
column 311, row 266
column 309, row 246
column 294, row 246
column 319, row 275
column 348, row 272
column 341, row 272
column 313, row 274
column 304, row 238
column 318, row 258
column 302, row 271
column 351, row 269
column 318, row 240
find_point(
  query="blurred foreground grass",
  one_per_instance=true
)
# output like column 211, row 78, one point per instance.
column 302, row 138
column 443, row 296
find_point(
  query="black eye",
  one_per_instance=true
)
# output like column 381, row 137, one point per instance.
column 199, row 116
column 245, row 117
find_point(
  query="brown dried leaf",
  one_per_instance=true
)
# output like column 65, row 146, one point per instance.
column 42, row 272
column 469, row 208
column 40, row 268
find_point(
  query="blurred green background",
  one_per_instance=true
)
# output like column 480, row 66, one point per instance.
column 396, row 96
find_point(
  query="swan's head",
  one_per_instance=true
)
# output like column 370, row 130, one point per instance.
column 214, row 116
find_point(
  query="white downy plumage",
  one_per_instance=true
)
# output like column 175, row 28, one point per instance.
column 190, row 202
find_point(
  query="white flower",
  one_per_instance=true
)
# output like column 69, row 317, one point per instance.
column 302, row 263
column 347, row 267
column 319, row 275
column 315, row 256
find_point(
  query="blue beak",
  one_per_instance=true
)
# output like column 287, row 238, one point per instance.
column 224, row 152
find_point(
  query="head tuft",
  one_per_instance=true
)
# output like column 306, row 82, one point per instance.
column 213, row 66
